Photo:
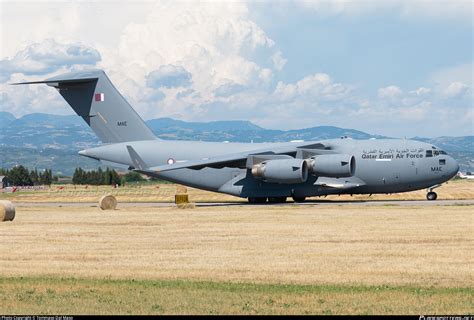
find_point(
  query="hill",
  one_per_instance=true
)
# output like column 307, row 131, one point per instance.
column 52, row 141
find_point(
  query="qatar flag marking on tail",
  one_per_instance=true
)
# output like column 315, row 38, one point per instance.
column 99, row 97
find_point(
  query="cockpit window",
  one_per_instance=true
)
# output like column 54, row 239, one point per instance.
column 434, row 153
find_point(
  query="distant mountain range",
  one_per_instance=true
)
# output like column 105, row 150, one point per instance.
column 52, row 141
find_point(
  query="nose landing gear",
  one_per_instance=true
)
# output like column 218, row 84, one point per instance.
column 431, row 195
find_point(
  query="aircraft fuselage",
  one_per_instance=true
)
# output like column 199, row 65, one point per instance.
column 381, row 166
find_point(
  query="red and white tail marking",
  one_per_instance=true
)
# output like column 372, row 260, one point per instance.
column 99, row 97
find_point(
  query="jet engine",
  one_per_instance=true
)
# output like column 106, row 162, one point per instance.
column 281, row 171
column 332, row 165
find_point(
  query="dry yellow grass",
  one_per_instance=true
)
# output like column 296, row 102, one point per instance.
column 453, row 190
column 311, row 244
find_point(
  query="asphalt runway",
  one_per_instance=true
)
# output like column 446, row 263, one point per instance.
column 223, row 204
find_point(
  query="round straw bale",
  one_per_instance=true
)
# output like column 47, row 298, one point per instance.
column 7, row 210
column 108, row 202
column 181, row 189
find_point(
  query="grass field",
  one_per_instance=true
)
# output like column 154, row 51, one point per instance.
column 79, row 296
column 325, row 259
column 453, row 190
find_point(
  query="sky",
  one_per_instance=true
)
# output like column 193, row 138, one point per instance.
column 397, row 68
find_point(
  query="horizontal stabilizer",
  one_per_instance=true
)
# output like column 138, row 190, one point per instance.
column 56, row 83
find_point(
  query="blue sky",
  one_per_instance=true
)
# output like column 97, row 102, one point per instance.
column 398, row 68
column 383, row 47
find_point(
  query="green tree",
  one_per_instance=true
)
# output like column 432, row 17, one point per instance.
column 114, row 178
column 106, row 179
column 46, row 177
column 34, row 177
column 78, row 177
column 99, row 177
column 133, row 176
column 19, row 176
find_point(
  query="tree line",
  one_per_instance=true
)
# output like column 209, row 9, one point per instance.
column 99, row 177
column 20, row 176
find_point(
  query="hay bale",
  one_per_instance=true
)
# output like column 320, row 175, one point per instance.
column 7, row 210
column 108, row 202
column 181, row 189
column 181, row 198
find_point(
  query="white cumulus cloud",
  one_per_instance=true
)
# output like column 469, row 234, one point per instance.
column 168, row 76
column 318, row 86
column 390, row 92
column 212, row 42
column 278, row 60
column 47, row 57
column 421, row 91
column 456, row 89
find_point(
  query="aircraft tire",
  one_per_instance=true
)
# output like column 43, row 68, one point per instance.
column 431, row 196
column 299, row 199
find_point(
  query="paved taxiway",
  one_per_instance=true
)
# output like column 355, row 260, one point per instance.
column 220, row 204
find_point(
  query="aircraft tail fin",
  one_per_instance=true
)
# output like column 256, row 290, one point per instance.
column 93, row 97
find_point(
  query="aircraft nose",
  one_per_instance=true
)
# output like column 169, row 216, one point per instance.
column 454, row 167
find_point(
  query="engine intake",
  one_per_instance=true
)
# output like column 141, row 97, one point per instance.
column 281, row 171
column 332, row 165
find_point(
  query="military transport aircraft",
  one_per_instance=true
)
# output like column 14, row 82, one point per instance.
column 260, row 172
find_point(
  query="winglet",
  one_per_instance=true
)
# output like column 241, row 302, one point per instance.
column 137, row 161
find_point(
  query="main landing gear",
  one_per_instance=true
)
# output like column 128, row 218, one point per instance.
column 261, row 200
column 431, row 195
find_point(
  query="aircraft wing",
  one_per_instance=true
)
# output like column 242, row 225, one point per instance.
column 233, row 160
column 216, row 162
column 240, row 160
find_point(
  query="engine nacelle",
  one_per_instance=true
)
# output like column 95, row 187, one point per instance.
column 332, row 165
column 281, row 171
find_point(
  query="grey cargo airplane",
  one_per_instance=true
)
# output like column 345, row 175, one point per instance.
column 260, row 172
